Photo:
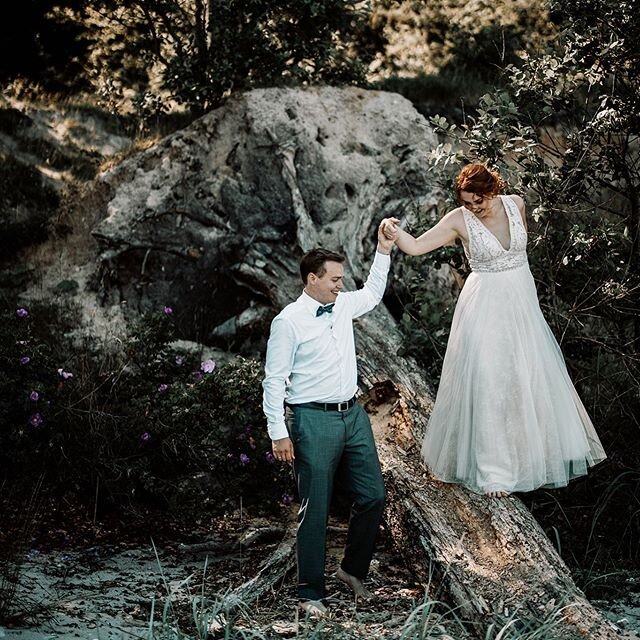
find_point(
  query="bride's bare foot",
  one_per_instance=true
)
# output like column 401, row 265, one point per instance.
column 497, row 494
column 355, row 584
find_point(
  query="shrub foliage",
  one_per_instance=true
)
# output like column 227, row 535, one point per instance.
column 197, row 52
column 145, row 426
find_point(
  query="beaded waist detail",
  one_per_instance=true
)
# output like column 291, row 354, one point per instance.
column 505, row 262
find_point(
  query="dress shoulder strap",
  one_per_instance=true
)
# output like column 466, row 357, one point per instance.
column 510, row 206
column 516, row 224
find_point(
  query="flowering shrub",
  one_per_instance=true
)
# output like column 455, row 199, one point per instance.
column 146, row 425
column 205, row 439
column 28, row 386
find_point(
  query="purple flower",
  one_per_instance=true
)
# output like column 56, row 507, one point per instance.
column 34, row 395
column 25, row 360
column 244, row 458
column 287, row 499
column 65, row 375
column 145, row 437
column 36, row 420
column 269, row 457
column 179, row 361
column 197, row 375
column 22, row 312
column 167, row 311
column 163, row 387
column 208, row 366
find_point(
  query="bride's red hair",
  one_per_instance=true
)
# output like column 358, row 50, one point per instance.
column 477, row 178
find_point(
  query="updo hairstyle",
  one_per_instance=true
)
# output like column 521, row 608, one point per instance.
column 479, row 179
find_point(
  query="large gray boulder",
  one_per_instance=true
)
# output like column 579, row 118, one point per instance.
column 213, row 219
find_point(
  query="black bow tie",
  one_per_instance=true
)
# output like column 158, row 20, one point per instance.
column 327, row 308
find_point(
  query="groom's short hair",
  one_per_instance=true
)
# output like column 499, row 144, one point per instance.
column 313, row 262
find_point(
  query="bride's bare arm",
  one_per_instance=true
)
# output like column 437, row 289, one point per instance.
column 445, row 232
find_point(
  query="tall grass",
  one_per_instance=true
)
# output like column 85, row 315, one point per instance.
column 430, row 620
column 16, row 605
column 222, row 616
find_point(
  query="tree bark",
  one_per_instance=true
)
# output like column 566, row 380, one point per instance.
column 487, row 557
column 270, row 575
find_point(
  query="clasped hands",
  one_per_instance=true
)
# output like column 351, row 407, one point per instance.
column 388, row 232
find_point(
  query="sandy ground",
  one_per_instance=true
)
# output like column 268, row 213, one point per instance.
column 624, row 613
column 96, row 593
column 106, row 593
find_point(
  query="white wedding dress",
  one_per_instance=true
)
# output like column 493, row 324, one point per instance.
column 506, row 415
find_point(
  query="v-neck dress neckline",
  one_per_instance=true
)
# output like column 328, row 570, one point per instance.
column 493, row 235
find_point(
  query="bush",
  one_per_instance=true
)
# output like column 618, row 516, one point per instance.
column 198, row 53
column 475, row 38
column 146, row 426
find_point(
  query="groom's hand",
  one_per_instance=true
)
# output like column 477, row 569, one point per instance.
column 387, row 232
column 283, row 449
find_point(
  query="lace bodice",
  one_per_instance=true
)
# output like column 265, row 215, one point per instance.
column 484, row 251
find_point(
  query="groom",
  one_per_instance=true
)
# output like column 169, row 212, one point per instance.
column 315, row 421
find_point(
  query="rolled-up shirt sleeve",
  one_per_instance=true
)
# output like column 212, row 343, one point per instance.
column 281, row 349
column 373, row 290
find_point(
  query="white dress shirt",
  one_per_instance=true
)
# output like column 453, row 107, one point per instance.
column 313, row 359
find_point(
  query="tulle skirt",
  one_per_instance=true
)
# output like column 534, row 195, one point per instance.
column 507, row 416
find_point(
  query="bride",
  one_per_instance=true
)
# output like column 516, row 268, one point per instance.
column 506, row 416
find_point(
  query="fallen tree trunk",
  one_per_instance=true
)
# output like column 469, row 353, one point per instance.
column 486, row 557
column 218, row 547
column 271, row 574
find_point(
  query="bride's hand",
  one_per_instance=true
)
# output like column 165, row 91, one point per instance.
column 389, row 228
column 386, row 237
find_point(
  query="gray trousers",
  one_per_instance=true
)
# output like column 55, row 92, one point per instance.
column 325, row 441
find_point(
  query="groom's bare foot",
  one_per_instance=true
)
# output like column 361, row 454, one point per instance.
column 355, row 584
column 313, row 608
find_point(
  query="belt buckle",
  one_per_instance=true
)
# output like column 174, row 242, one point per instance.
column 345, row 404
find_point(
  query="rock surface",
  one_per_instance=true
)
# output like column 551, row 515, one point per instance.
column 214, row 219
column 48, row 154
